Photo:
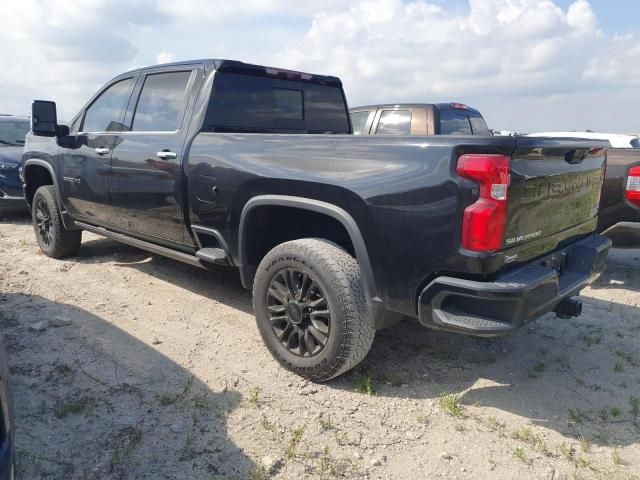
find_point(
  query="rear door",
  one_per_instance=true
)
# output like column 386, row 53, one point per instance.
column 146, row 181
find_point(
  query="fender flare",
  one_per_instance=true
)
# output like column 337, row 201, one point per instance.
column 67, row 221
column 374, row 303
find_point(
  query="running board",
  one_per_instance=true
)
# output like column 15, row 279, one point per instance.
column 148, row 246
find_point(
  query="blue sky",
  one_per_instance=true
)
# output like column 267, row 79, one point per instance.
column 527, row 65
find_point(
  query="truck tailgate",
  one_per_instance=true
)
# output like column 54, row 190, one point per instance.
column 555, row 187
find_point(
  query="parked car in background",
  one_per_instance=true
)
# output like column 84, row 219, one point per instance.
column 619, row 216
column 418, row 119
column 219, row 162
column 12, row 134
column 7, row 447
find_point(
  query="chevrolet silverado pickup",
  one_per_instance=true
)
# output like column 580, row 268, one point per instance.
column 619, row 215
column 418, row 119
column 218, row 162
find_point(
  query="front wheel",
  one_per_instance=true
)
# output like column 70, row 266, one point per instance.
column 310, row 308
column 54, row 240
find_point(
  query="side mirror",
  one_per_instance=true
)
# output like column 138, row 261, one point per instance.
column 44, row 118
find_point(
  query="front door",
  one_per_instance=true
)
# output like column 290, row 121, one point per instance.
column 85, row 162
column 146, row 179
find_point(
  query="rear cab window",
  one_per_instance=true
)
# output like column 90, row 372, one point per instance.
column 258, row 104
column 458, row 121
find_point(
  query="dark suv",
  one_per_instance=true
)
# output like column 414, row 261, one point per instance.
column 12, row 132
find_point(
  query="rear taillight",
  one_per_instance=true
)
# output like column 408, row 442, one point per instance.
column 484, row 221
column 632, row 192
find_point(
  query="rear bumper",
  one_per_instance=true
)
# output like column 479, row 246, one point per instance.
column 515, row 298
column 624, row 234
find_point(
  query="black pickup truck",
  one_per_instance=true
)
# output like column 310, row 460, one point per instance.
column 418, row 119
column 218, row 162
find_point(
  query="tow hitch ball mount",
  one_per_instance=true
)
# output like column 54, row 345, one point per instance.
column 569, row 308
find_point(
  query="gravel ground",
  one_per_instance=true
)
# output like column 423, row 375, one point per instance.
column 162, row 374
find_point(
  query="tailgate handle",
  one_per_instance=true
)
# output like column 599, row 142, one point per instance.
column 576, row 156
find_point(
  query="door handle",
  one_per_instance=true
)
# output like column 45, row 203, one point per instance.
column 102, row 150
column 167, row 155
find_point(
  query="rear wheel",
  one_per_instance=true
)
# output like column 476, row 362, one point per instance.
column 54, row 240
column 310, row 308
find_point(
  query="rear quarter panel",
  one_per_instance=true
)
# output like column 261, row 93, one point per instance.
column 401, row 191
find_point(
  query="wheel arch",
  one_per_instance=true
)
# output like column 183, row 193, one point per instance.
column 247, row 271
column 36, row 173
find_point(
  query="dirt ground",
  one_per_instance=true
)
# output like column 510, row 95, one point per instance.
column 162, row 374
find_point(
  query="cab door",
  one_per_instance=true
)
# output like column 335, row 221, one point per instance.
column 146, row 176
column 85, row 162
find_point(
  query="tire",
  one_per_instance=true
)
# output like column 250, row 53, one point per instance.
column 54, row 240
column 335, row 334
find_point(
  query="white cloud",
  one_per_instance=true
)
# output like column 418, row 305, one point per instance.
column 164, row 57
column 495, row 51
column 513, row 59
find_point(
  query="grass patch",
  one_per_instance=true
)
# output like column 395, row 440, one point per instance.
column 563, row 361
column 634, row 402
column 615, row 412
column 330, row 467
column 294, row 441
column 76, row 406
column 576, row 415
column 128, row 441
column 540, row 367
column 253, row 397
column 521, row 455
column 590, row 340
column 616, row 457
column 423, row 418
column 450, row 403
column 175, row 398
column 259, row 472
column 325, row 423
column 585, row 446
column 365, row 385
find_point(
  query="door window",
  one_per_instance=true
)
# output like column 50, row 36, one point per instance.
column 161, row 102
column 107, row 111
column 394, row 122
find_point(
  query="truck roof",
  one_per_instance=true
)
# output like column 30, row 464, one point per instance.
column 236, row 66
column 440, row 106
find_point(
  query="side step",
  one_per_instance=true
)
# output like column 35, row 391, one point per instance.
column 148, row 246
column 213, row 255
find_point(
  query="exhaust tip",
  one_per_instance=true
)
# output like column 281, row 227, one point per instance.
column 569, row 308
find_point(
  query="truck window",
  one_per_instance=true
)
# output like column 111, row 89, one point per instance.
column 478, row 125
column 394, row 122
column 251, row 103
column 454, row 122
column 160, row 102
column 462, row 122
column 107, row 111
column 358, row 121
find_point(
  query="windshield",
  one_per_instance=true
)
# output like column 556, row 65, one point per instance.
column 12, row 133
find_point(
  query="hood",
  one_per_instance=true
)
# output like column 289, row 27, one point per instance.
column 11, row 154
